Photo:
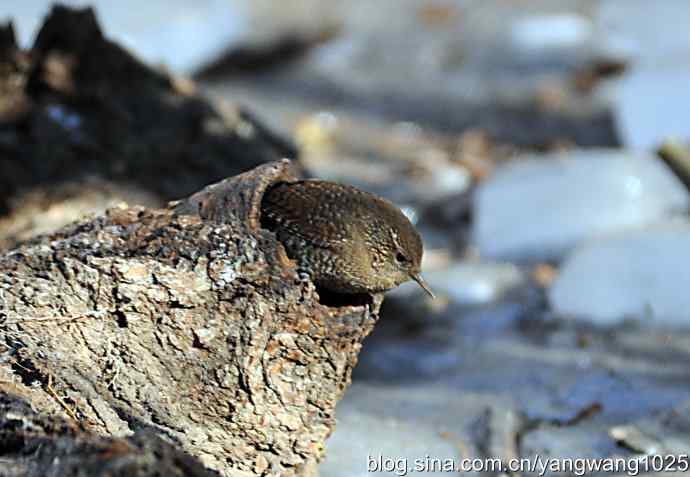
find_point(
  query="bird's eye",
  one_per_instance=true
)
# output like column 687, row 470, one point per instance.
column 400, row 258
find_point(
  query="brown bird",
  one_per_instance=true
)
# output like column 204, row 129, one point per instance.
column 348, row 240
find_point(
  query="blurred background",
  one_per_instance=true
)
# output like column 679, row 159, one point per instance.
column 541, row 147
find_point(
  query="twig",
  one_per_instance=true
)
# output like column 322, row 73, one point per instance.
column 51, row 391
column 14, row 361
column 63, row 320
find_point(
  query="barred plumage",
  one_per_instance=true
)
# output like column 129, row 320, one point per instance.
column 348, row 240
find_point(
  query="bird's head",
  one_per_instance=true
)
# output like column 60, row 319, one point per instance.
column 399, row 252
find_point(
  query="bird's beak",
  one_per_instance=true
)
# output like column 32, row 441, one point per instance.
column 418, row 278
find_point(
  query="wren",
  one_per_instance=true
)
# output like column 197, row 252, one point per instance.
column 349, row 241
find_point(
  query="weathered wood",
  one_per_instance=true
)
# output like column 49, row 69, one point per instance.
column 53, row 447
column 188, row 321
column 83, row 123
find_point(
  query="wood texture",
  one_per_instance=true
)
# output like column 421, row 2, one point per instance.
column 188, row 322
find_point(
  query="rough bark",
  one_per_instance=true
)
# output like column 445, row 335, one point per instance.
column 57, row 448
column 188, row 321
column 80, row 116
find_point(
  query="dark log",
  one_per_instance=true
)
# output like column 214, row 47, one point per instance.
column 38, row 446
column 81, row 116
column 189, row 322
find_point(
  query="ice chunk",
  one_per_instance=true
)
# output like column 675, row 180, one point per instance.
column 539, row 208
column 649, row 100
column 537, row 33
column 643, row 274
column 644, row 117
column 650, row 36
column 475, row 283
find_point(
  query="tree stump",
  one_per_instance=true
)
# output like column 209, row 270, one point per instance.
column 189, row 323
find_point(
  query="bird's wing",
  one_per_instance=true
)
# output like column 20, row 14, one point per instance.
column 304, row 214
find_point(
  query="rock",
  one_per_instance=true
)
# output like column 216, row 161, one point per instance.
column 640, row 274
column 540, row 207
column 575, row 443
column 664, row 434
column 469, row 283
column 661, row 438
